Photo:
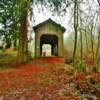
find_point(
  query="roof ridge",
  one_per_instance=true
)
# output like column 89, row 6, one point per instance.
column 49, row 19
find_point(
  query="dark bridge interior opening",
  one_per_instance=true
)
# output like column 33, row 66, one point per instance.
column 52, row 40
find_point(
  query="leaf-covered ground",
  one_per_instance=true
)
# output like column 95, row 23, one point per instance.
column 48, row 79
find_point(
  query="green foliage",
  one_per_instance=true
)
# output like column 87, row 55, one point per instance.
column 9, row 22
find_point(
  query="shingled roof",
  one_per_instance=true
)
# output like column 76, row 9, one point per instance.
column 47, row 21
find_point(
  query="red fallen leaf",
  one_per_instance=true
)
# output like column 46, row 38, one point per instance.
column 62, row 98
column 4, row 84
column 96, row 76
column 68, row 98
column 3, row 94
column 50, row 89
column 79, row 76
column 75, row 97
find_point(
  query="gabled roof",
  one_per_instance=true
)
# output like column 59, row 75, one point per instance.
column 50, row 20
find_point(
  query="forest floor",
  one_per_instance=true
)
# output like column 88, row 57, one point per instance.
column 48, row 79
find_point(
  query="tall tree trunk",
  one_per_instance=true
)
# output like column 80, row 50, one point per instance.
column 81, row 50
column 86, row 41
column 75, row 30
column 92, row 43
column 23, row 42
column 97, row 56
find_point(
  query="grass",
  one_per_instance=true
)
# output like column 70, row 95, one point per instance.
column 7, row 57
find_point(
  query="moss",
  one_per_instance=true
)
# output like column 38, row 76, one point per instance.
column 97, row 85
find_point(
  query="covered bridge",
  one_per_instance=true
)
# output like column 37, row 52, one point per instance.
column 49, row 32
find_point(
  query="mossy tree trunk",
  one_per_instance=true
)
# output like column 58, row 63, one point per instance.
column 23, row 40
column 75, row 30
column 97, row 56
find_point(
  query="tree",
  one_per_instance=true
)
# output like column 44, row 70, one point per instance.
column 23, row 41
column 9, row 22
column 97, row 56
column 75, row 29
column 98, row 2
